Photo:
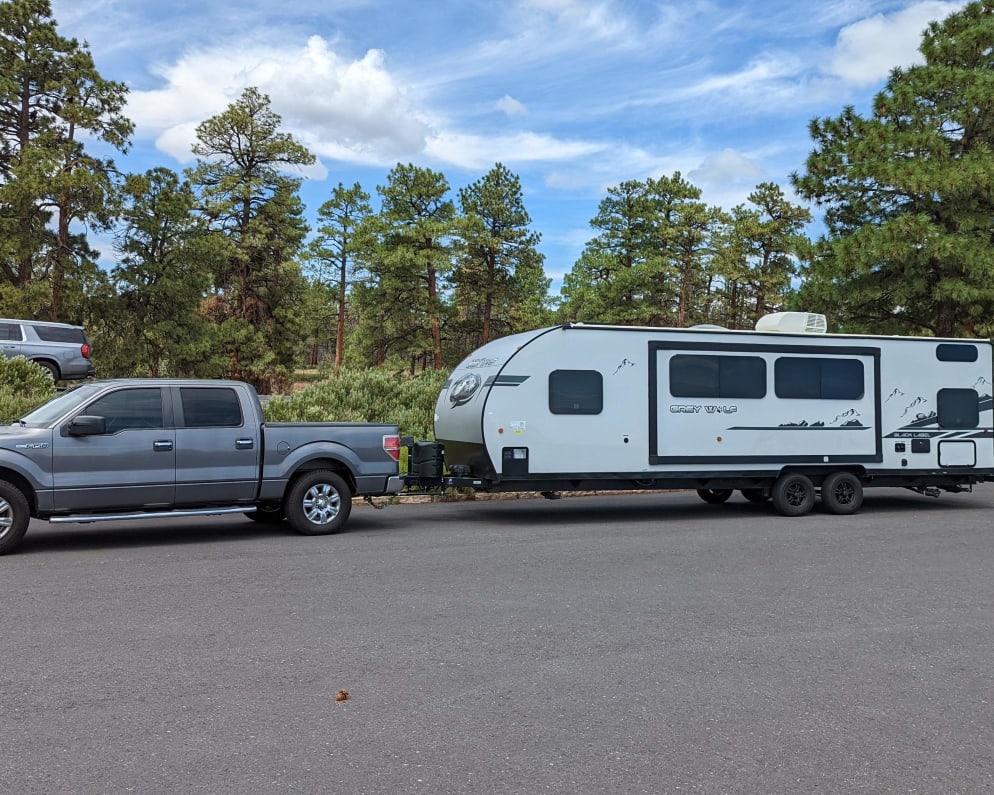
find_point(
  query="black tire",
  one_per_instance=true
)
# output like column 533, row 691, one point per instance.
column 318, row 503
column 49, row 368
column 793, row 494
column 14, row 517
column 267, row 513
column 842, row 493
column 756, row 495
column 714, row 496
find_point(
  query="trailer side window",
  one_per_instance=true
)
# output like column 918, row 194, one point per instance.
column 576, row 392
column 953, row 352
column 717, row 376
column 958, row 408
column 818, row 379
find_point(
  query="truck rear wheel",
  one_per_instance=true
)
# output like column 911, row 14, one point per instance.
column 793, row 494
column 842, row 493
column 318, row 503
column 14, row 516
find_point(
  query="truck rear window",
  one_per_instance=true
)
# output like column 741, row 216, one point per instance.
column 60, row 334
column 210, row 407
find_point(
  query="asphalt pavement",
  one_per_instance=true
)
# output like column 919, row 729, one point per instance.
column 645, row 643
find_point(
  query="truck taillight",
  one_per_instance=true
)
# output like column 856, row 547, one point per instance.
column 391, row 443
column 85, row 350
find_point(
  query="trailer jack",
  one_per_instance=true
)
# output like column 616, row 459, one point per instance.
column 928, row 491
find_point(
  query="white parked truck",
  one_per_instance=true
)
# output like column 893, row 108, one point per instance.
column 785, row 412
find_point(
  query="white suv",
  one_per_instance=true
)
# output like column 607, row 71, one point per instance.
column 59, row 348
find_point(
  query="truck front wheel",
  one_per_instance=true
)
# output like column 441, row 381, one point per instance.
column 318, row 503
column 14, row 517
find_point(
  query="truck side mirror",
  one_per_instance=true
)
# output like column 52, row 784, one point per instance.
column 87, row 425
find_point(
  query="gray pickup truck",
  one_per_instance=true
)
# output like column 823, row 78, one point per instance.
column 146, row 448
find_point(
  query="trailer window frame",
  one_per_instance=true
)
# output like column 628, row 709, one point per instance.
column 576, row 392
column 957, row 409
column 818, row 378
column 956, row 352
column 730, row 376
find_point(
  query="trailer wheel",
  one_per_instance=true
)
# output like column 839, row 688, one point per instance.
column 793, row 494
column 842, row 493
column 714, row 496
column 14, row 516
column 318, row 503
column 756, row 495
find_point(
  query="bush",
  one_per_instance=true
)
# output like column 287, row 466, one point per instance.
column 23, row 387
column 365, row 396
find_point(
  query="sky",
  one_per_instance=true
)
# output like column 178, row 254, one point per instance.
column 573, row 96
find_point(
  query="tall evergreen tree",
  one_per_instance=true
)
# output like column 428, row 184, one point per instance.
column 51, row 98
column 650, row 263
column 500, row 285
column 409, row 260
column 336, row 246
column 249, row 200
column 909, row 193
column 154, row 324
column 757, row 257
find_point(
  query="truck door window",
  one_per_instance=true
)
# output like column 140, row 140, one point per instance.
column 129, row 408
column 210, row 407
column 10, row 331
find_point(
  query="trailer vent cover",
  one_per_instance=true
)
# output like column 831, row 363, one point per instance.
column 793, row 323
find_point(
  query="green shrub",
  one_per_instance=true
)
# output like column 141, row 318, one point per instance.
column 365, row 396
column 23, row 387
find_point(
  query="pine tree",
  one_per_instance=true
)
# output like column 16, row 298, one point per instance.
column 337, row 245
column 908, row 193
column 51, row 98
column 500, row 285
column 409, row 260
column 250, row 202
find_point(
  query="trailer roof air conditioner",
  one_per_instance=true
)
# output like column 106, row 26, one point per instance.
column 793, row 323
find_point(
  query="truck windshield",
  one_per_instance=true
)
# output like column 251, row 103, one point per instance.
column 49, row 412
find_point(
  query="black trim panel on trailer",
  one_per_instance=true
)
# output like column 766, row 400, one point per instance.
column 654, row 347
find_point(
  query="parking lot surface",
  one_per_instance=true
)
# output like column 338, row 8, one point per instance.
column 630, row 643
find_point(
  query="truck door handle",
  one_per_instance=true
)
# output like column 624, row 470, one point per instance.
column 244, row 444
column 163, row 445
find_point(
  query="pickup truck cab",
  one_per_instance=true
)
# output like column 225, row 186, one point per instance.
column 149, row 448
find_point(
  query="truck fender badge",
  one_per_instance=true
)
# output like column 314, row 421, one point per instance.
column 464, row 389
column 32, row 446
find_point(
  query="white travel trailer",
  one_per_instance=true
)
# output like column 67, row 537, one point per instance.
column 786, row 412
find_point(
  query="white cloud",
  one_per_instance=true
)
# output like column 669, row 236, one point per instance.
column 350, row 110
column 510, row 106
column 867, row 50
column 481, row 152
column 726, row 166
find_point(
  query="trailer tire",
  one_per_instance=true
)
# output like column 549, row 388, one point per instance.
column 842, row 493
column 318, row 503
column 756, row 495
column 714, row 496
column 793, row 494
column 14, row 516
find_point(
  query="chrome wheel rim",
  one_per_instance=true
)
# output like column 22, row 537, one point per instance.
column 6, row 518
column 322, row 504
